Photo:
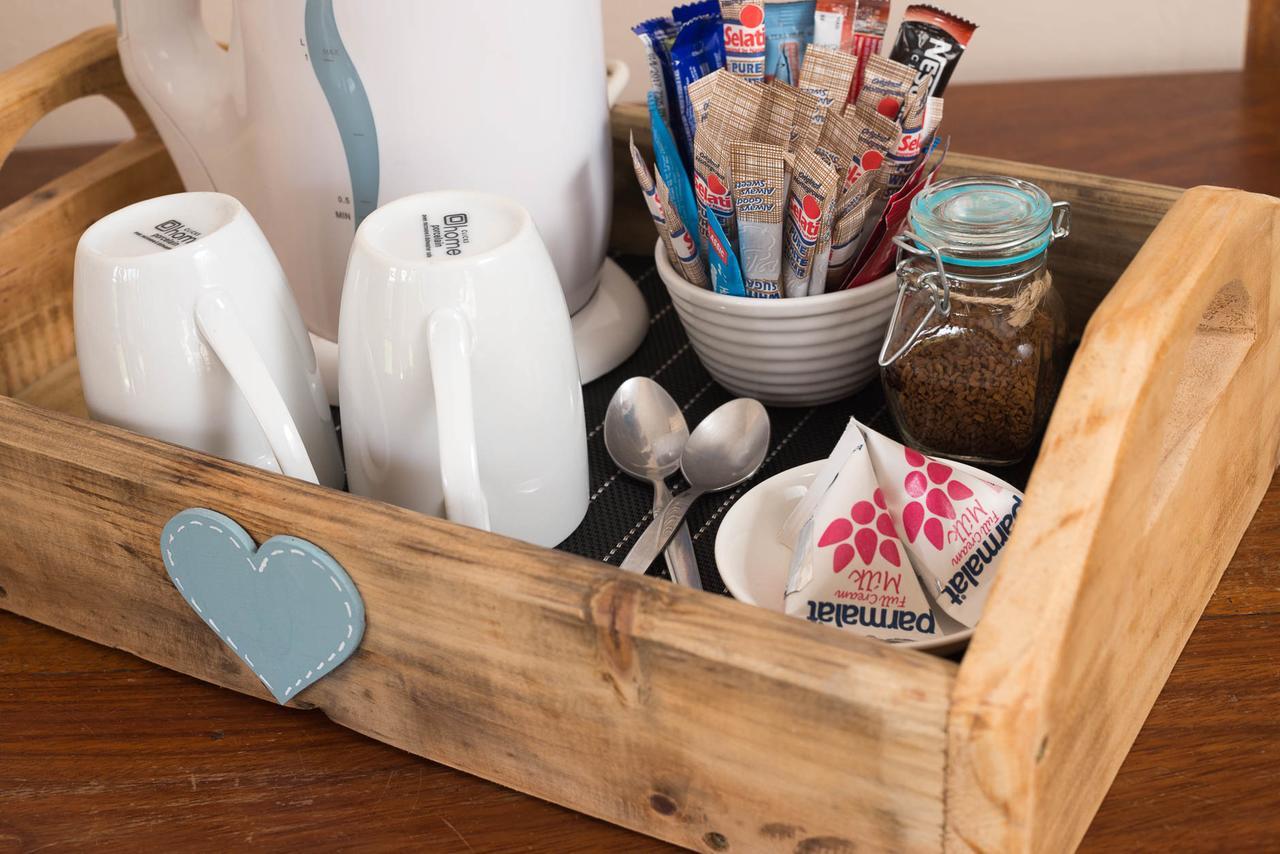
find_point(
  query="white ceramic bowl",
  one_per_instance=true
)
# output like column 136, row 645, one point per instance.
column 785, row 352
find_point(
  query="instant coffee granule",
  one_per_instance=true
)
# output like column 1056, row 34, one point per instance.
column 980, row 384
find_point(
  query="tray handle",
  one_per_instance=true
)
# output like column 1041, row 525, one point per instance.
column 38, row 232
column 1162, row 444
column 79, row 67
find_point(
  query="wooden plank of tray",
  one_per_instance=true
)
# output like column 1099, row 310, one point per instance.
column 38, row 233
column 84, row 65
column 689, row 717
column 58, row 390
column 1165, row 438
column 38, row 236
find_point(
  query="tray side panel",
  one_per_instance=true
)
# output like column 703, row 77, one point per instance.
column 38, row 233
column 1158, row 453
column 86, row 64
column 38, row 237
column 688, row 717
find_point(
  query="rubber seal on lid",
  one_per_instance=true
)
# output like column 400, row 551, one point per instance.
column 984, row 221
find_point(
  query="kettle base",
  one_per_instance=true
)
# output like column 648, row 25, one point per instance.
column 327, row 362
column 606, row 331
column 609, row 328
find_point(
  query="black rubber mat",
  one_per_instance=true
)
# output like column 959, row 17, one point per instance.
column 619, row 506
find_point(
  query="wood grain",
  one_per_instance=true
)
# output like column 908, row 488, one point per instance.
column 59, row 390
column 79, row 67
column 38, row 236
column 1262, row 39
column 1133, row 512
column 627, row 698
column 1203, row 774
column 1181, row 129
column 28, row 169
column 38, row 232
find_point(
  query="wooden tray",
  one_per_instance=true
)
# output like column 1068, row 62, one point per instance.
column 679, row 714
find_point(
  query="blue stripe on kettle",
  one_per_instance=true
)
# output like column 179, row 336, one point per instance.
column 347, row 99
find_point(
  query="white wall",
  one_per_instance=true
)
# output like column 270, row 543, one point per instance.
column 1016, row 40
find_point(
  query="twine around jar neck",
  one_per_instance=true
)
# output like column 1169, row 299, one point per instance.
column 1022, row 305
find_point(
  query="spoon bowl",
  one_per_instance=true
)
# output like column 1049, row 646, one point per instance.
column 727, row 447
column 644, row 430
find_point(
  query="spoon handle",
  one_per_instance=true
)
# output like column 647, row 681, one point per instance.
column 659, row 532
column 681, row 562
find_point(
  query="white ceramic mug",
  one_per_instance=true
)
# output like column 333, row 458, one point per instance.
column 457, row 375
column 186, row 331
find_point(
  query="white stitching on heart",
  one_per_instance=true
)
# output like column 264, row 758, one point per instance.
column 178, row 583
column 273, row 554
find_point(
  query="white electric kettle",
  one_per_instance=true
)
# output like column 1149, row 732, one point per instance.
column 321, row 110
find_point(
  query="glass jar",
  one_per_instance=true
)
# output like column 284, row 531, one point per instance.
column 976, row 348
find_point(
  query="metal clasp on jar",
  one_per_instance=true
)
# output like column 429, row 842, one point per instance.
column 938, row 281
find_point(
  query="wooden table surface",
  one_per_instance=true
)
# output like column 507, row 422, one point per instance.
column 100, row 748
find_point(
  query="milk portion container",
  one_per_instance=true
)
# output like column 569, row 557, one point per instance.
column 876, row 506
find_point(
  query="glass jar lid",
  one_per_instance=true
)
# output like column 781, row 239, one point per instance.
column 983, row 221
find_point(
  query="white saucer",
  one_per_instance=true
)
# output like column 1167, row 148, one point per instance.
column 753, row 564
column 611, row 325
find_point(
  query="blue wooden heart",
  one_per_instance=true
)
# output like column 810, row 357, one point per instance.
column 287, row 609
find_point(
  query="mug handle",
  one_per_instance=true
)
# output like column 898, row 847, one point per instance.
column 225, row 335
column 449, row 353
column 616, row 76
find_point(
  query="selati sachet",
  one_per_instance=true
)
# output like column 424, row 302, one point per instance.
column 952, row 520
column 849, row 568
